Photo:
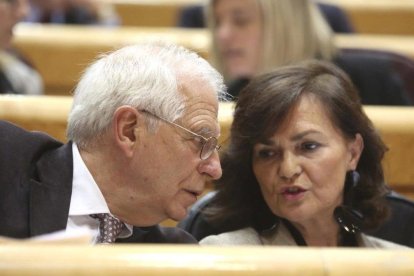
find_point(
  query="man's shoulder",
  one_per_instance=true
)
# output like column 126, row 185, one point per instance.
column 13, row 134
column 9, row 129
column 19, row 146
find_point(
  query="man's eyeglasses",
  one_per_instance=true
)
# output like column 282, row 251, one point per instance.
column 208, row 145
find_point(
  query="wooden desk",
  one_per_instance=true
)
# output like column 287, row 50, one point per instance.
column 394, row 17
column 61, row 53
column 396, row 125
column 150, row 13
column 41, row 113
column 399, row 44
column 27, row 259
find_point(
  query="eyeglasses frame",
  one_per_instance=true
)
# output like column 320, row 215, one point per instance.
column 204, row 140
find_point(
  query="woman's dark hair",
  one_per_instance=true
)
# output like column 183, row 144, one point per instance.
column 262, row 106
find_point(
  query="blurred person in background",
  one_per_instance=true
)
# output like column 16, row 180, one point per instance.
column 250, row 37
column 17, row 76
column 193, row 17
column 72, row 12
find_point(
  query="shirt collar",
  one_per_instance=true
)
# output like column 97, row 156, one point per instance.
column 86, row 197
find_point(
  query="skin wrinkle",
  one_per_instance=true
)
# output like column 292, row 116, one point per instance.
column 175, row 202
column 200, row 123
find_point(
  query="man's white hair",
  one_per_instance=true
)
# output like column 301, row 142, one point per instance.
column 147, row 77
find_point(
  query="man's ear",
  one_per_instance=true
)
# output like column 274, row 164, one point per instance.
column 126, row 121
column 355, row 148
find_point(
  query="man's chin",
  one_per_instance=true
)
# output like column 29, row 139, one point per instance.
column 178, row 215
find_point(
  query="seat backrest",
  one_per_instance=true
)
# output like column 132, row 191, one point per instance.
column 195, row 223
column 366, row 63
column 399, row 228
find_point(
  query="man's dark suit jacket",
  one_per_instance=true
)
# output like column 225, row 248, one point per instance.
column 36, row 186
column 5, row 85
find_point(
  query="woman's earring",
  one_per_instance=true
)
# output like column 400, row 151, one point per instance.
column 348, row 218
column 354, row 178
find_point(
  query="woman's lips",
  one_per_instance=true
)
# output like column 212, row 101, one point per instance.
column 293, row 193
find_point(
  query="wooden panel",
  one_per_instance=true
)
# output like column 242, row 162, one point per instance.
column 394, row 17
column 40, row 113
column 398, row 44
column 147, row 15
column 150, row 13
column 395, row 124
column 27, row 259
column 61, row 53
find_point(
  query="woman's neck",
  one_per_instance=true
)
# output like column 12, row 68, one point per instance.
column 321, row 234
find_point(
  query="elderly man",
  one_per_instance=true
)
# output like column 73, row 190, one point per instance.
column 143, row 141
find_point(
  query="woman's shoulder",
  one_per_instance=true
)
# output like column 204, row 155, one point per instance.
column 373, row 242
column 245, row 236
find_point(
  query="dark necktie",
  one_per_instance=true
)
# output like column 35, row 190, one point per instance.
column 109, row 227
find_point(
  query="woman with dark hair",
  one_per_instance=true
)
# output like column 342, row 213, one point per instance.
column 303, row 166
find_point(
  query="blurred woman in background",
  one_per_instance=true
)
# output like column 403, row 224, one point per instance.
column 250, row 37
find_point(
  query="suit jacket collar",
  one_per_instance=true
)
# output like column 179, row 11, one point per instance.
column 51, row 189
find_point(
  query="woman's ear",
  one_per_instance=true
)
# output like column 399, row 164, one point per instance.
column 355, row 148
column 126, row 121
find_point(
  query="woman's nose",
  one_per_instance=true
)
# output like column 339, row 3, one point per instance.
column 289, row 167
column 223, row 33
column 20, row 10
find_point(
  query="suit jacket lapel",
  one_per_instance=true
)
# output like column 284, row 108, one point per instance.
column 51, row 189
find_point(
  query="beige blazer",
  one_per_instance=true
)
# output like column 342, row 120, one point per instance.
column 282, row 237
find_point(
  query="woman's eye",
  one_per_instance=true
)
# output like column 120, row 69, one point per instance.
column 266, row 153
column 241, row 21
column 309, row 146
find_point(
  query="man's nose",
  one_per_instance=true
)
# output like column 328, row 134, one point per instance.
column 211, row 166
